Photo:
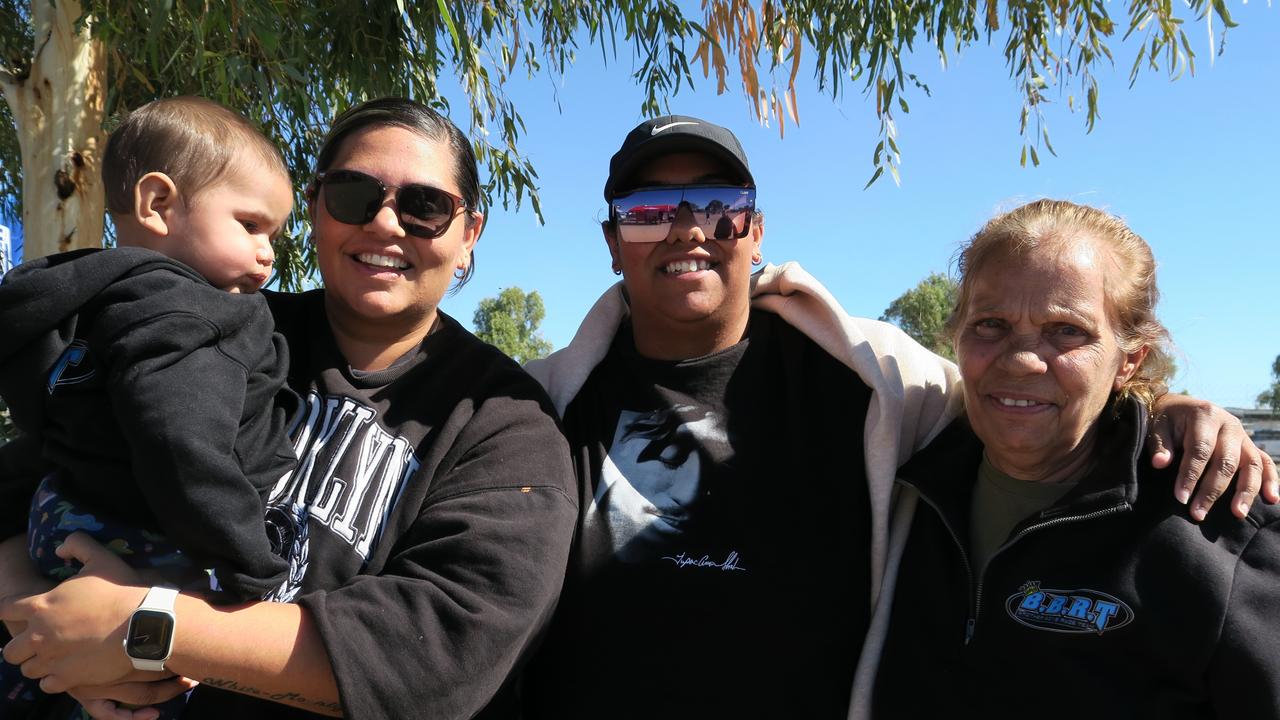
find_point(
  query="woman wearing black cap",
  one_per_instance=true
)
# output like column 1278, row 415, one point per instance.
column 736, row 473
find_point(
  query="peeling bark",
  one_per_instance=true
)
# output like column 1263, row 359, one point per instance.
column 58, row 110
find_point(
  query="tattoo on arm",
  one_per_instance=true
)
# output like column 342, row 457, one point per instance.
column 319, row 705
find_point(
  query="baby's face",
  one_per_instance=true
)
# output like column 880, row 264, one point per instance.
column 225, row 231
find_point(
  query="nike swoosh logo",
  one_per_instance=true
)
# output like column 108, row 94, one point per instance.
column 660, row 128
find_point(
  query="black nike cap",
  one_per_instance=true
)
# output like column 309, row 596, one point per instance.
column 672, row 134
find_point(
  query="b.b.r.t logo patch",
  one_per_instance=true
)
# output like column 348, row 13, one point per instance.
column 1067, row 611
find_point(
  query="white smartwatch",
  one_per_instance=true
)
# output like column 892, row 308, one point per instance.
column 149, row 639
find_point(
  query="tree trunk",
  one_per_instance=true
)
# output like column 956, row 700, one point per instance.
column 58, row 111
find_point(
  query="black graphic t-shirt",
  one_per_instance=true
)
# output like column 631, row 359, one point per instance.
column 721, row 565
column 427, row 525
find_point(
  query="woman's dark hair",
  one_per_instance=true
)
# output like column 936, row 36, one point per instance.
column 417, row 118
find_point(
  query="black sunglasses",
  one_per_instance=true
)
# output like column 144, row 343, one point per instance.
column 354, row 198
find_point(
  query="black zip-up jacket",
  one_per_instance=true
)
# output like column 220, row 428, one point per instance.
column 1109, row 604
column 154, row 394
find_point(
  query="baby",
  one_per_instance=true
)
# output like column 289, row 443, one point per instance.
column 148, row 377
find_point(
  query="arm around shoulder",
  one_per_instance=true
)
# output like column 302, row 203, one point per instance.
column 929, row 383
column 918, row 391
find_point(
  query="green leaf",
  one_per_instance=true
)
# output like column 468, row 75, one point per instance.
column 1048, row 144
column 874, row 176
column 1220, row 7
column 445, row 17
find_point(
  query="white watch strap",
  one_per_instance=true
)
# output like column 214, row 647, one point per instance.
column 161, row 599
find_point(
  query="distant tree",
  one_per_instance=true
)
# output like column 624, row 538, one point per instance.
column 510, row 322
column 1271, row 396
column 922, row 312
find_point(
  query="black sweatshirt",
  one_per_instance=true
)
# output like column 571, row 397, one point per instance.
column 721, row 568
column 1109, row 604
column 154, row 394
column 427, row 526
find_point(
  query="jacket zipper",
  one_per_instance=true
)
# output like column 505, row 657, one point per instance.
column 977, row 604
column 975, row 595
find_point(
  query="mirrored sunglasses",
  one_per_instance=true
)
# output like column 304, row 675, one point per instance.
column 645, row 215
column 354, row 198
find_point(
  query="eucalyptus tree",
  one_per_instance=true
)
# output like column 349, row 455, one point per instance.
column 68, row 67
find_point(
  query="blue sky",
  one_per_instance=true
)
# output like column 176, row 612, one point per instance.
column 1192, row 165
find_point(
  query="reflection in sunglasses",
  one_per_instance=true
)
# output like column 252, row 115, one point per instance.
column 722, row 212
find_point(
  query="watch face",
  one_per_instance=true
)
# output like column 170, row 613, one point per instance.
column 150, row 634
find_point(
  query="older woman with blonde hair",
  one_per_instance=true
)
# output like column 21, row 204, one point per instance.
column 1047, row 570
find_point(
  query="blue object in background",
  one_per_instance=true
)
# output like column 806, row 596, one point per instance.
column 10, row 246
